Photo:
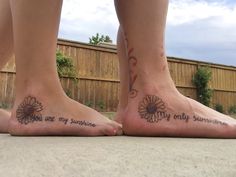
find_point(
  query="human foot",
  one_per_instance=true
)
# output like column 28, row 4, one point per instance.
column 156, row 108
column 123, row 72
column 120, row 114
column 4, row 119
column 41, row 115
column 163, row 111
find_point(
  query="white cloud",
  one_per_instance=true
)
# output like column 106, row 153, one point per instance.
column 202, row 30
column 196, row 29
column 90, row 10
column 82, row 19
column 189, row 11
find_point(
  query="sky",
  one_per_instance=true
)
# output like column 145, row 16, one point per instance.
column 202, row 30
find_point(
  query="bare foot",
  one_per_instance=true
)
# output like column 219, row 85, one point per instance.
column 155, row 107
column 120, row 114
column 4, row 120
column 160, row 110
column 41, row 115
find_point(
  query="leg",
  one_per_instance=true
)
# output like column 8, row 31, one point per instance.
column 6, row 50
column 155, row 107
column 6, row 34
column 41, row 106
column 124, row 72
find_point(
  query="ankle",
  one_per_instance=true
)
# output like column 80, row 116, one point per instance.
column 151, row 84
column 153, row 73
column 41, row 90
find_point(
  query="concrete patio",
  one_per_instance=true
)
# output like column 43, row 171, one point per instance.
column 116, row 157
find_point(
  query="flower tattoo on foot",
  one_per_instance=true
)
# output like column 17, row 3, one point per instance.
column 29, row 111
column 153, row 109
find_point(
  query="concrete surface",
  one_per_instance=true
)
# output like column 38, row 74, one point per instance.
column 116, row 157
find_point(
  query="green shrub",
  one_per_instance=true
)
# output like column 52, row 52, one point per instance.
column 101, row 105
column 232, row 109
column 68, row 93
column 89, row 104
column 4, row 106
column 219, row 108
column 65, row 66
column 201, row 80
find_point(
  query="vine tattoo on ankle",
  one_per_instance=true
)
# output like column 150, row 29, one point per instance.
column 132, row 60
column 133, row 76
column 153, row 109
column 29, row 111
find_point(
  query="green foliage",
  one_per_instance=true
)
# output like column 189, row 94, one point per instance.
column 68, row 93
column 101, row 105
column 65, row 66
column 201, row 80
column 232, row 109
column 89, row 104
column 219, row 108
column 4, row 106
column 96, row 39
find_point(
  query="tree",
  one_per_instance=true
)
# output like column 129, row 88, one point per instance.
column 99, row 38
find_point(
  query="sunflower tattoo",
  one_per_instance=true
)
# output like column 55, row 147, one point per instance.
column 153, row 109
column 29, row 111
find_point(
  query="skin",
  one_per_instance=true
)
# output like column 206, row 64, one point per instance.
column 4, row 119
column 6, row 50
column 157, row 108
column 150, row 104
column 124, row 80
column 41, row 107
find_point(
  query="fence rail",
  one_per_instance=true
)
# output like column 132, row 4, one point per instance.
column 98, row 77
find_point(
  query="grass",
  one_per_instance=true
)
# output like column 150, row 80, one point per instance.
column 110, row 115
column 234, row 116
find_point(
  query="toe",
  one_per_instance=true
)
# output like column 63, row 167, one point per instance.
column 112, row 129
column 117, row 127
column 108, row 131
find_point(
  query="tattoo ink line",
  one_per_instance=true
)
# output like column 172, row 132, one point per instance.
column 153, row 109
column 29, row 111
column 63, row 120
column 49, row 119
column 132, row 60
column 82, row 123
column 210, row 121
column 183, row 117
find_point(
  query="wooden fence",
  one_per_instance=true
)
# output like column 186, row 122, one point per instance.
column 98, row 75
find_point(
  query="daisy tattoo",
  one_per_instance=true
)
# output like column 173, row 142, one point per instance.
column 29, row 111
column 153, row 109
